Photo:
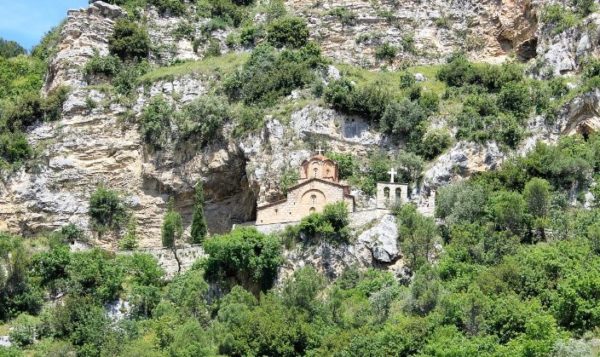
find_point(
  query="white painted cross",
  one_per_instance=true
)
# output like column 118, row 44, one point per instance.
column 320, row 150
column 392, row 173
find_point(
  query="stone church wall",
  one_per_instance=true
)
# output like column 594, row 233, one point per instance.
column 303, row 200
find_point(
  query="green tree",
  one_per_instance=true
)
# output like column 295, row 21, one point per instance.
column 129, row 40
column 10, row 49
column 417, row 234
column 106, row 210
column 508, row 210
column 199, row 228
column 288, row 32
column 172, row 230
column 245, row 256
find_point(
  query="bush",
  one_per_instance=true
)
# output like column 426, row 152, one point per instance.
column 288, row 32
column 95, row 273
column 404, row 120
column 345, row 16
column 203, row 118
column 559, row 17
column 330, row 225
column 14, row 148
column 347, row 164
column 244, row 255
column 515, row 98
column 107, row 66
column 106, row 210
column 171, row 7
column 269, row 74
column 584, row 7
column 250, row 35
column 434, row 143
column 155, row 122
column 225, row 11
column 386, row 52
column 129, row 41
column 369, row 102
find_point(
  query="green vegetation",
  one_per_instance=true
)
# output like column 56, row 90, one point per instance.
column 199, row 229
column 106, row 210
column 291, row 32
column 245, row 257
column 346, row 16
column 269, row 74
column 330, row 225
column 9, row 49
column 129, row 41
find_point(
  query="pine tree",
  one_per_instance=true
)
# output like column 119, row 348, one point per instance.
column 172, row 230
column 199, row 229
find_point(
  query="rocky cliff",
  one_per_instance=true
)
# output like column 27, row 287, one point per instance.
column 91, row 146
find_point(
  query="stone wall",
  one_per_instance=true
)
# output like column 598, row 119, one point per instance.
column 310, row 197
column 390, row 194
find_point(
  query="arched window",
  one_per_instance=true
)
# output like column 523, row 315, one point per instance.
column 313, row 199
column 386, row 193
column 398, row 194
column 315, row 170
column 312, row 210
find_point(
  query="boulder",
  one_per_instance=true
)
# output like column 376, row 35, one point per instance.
column 382, row 240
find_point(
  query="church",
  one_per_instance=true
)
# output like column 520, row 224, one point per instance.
column 317, row 187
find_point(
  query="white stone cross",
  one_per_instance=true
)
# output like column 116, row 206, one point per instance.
column 392, row 173
column 320, row 150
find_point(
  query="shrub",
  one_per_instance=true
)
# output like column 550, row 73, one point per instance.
column 171, row 7
column 127, row 78
column 203, row 118
column 435, row 142
column 14, row 147
column 347, row 164
column 213, row 49
column 108, row 66
column 247, row 119
column 584, row 7
column 386, row 52
column 404, row 120
column 407, row 80
column 24, row 330
column 155, row 122
column 269, row 74
column 225, row 11
column 129, row 240
column 95, row 273
column 418, row 235
column 106, row 210
column 369, row 102
column 172, row 228
column 330, row 225
column 288, row 32
column 515, row 98
column 559, row 17
column 249, row 35
column 129, row 41
column 344, row 15
column 244, row 255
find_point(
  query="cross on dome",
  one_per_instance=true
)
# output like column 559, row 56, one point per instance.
column 392, row 173
column 320, row 150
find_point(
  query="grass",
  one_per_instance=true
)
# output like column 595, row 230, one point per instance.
column 223, row 64
column 391, row 79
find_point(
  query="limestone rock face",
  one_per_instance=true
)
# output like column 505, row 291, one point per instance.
column 382, row 240
column 487, row 29
column 462, row 160
column 84, row 32
column 564, row 53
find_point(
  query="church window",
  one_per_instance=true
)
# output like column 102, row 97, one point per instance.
column 315, row 170
column 313, row 199
column 312, row 210
column 386, row 193
column 276, row 210
column 398, row 194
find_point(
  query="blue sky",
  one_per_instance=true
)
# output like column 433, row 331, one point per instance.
column 26, row 21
